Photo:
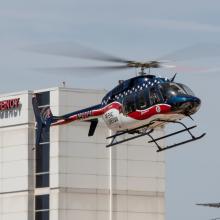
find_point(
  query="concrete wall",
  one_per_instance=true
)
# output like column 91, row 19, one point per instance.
column 92, row 182
column 16, row 160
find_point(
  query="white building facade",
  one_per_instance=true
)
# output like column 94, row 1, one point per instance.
column 70, row 175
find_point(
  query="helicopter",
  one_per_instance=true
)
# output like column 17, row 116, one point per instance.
column 136, row 106
column 214, row 205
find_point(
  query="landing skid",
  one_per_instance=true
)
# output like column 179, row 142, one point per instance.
column 154, row 140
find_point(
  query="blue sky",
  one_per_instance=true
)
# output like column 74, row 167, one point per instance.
column 135, row 30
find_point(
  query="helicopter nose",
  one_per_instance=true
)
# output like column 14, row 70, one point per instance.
column 187, row 105
column 196, row 101
column 195, row 105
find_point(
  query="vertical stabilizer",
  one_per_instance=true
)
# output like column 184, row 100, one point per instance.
column 44, row 118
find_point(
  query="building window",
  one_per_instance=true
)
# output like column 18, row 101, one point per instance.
column 42, row 207
column 45, row 135
column 43, row 98
column 42, row 158
column 43, row 149
column 41, row 202
column 42, row 180
column 42, row 215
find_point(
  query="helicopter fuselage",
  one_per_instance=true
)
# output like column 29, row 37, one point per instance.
column 138, row 101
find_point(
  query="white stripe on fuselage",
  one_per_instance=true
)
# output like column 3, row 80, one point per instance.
column 117, row 121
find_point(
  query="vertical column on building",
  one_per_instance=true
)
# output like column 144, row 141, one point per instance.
column 42, row 169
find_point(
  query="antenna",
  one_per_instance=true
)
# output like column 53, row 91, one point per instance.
column 173, row 78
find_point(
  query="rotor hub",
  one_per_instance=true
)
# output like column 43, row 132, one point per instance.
column 144, row 65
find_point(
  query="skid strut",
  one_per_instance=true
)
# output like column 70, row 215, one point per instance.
column 115, row 142
column 186, row 129
column 155, row 140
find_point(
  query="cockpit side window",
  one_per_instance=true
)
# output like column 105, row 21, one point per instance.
column 155, row 96
column 142, row 99
column 129, row 104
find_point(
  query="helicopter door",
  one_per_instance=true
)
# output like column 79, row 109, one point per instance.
column 155, row 96
column 129, row 104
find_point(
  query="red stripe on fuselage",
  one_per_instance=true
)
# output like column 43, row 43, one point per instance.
column 137, row 115
column 145, row 114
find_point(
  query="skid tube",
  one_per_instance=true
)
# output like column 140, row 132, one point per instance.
column 136, row 130
column 154, row 140
column 186, row 129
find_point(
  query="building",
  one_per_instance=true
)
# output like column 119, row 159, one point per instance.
column 71, row 175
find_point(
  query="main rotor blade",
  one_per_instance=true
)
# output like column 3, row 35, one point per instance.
column 84, row 70
column 194, row 69
column 196, row 51
column 76, row 51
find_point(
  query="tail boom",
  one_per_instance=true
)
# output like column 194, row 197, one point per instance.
column 87, row 114
column 45, row 119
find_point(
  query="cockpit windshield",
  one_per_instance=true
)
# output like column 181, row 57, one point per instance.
column 173, row 89
column 186, row 89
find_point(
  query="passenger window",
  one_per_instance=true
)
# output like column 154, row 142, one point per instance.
column 129, row 104
column 142, row 100
column 155, row 96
